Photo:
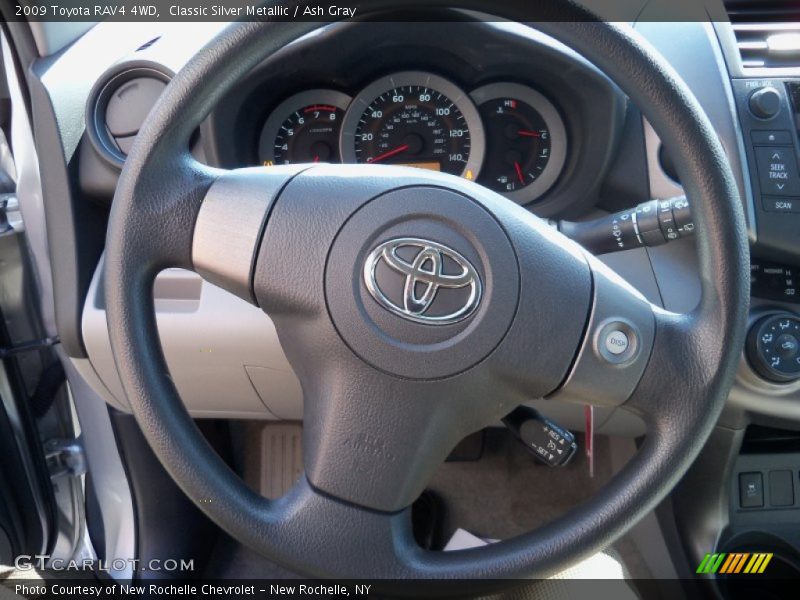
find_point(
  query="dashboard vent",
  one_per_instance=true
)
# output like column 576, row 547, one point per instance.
column 763, row 11
column 767, row 32
column 118, row 105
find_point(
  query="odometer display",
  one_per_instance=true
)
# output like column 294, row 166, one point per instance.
column 414, row 119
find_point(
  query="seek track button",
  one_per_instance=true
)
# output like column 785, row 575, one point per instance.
column 777, row 171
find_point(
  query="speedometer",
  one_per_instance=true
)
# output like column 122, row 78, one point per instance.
column 414, row 119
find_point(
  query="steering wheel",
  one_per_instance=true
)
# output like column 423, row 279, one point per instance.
column 389, row 390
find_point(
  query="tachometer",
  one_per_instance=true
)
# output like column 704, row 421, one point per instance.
column 304, row 128
column 526, row 141
column 415, row 119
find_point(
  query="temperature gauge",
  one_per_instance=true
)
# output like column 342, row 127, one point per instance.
column 525, row 141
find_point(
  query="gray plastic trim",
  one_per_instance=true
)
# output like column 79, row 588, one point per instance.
column 29, row 193
column 661, row 185
column 699, row 60
column 50, row 37
column 230, row 224
column 105, row 464
column 223, row 353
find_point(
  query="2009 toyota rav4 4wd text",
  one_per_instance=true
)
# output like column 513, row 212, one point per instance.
column 400, row 298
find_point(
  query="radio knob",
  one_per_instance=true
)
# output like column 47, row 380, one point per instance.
column 765, row 102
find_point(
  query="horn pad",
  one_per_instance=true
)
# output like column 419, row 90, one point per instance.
column 430, row 290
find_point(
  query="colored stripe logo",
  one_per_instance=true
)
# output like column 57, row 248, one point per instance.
column 735, row 562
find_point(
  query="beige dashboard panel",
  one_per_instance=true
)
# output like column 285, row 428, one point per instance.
column 223, row 353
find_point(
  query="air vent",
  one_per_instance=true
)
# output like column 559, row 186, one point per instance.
column 763, row 11
column 768, row 46
column 119, row 105
column 767, row 32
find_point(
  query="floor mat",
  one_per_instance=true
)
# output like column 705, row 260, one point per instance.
column 508, row 492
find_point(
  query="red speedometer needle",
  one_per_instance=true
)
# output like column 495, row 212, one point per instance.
column 520, row 176
column 524, row 133
column 388, row 154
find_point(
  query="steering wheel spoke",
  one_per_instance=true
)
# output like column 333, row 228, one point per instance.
column 358, row 541
column 374, row 440
column 230, row 223
column 617, row 343
column 160, row 224
column 681, row 370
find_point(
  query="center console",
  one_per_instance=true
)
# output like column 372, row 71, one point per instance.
column 769, row 112
column 768, row 108
column 751, row 507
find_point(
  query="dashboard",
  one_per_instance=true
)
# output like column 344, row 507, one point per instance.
column 499, row 103
column 503, row 112
column 504, row 135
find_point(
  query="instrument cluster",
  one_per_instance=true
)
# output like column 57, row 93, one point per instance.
column 506, row 136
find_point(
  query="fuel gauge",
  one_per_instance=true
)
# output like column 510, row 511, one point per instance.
column 525, row 141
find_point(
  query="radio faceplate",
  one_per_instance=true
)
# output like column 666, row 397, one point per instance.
column 769, row 113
